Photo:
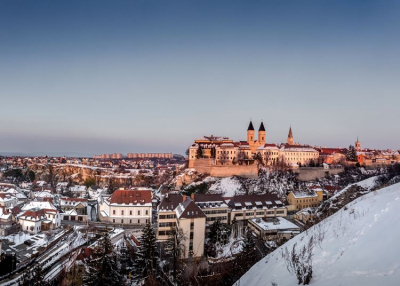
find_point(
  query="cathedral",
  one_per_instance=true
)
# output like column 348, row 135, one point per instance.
column 254, row 144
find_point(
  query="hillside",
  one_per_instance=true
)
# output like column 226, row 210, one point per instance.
column 358, row 245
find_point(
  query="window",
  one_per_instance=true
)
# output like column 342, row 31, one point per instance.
column 130, row 212
column 113, row 211
column 122, row 221
column 138, row 221
column 122, row 212
column 147, row 212
column 138, row 212
column 113, row 220
column 192, row 225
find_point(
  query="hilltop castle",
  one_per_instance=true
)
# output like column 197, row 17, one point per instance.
column 224, row 151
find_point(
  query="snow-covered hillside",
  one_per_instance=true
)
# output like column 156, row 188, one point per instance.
column 358, row 245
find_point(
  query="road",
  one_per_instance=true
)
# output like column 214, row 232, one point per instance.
column 102, row 225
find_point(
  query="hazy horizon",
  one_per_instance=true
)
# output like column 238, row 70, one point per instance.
column 93, row 77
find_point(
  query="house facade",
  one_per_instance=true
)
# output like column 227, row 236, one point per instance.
column 74, row 209
column 127, row 207
column 177, row 211
column 305, row 199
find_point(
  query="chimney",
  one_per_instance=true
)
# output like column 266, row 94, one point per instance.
column 184, row 198
column 192, row 196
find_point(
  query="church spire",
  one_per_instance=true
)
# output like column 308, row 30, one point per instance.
column 290, row 139
column 250, row 126
column 262, row 128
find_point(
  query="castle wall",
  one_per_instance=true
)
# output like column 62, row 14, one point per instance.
column 207, row 166
column 310, row 174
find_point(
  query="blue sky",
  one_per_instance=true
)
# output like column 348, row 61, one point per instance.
column 94, row 77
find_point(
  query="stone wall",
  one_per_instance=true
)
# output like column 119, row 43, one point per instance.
column 206, row 166
column 310, row 174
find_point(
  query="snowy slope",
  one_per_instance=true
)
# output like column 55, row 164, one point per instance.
column 359, row 246
column 228, row 187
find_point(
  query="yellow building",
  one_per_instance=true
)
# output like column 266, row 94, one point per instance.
column 305, row 199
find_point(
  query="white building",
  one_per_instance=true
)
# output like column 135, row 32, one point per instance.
column 53, row 216
column 79, row 191
column 35, row 220
column 131, row 206
column 8, row 200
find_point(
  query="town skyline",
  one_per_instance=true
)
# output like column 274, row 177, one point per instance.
column 93, row 77
column 156, row 149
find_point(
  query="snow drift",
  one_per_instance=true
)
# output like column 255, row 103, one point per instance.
column 358, row 245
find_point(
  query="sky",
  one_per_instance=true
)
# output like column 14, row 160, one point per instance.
column 92, row 77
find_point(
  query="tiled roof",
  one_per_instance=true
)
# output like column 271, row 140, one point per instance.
column 188, row 210
column 170, row 202
column 36, row 213
column 131, row 197
column 208, row 198
column 267, row 200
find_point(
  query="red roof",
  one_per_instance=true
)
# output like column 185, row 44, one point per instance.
column 35, row 213
column 330, row 151
column 131, row 197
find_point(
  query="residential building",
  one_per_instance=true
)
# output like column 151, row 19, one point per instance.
column 166, row 215
column 276, row 228
column 78, row 191
column 192, row 221
column 8, row 200
column 213, row 206
column 246, row 207
column 305, row 199
column 127, row 206
column 181, row 212
column 74, row 209
column 37, row 219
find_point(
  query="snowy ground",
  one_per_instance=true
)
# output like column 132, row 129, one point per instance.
column 358, row 245
column 234, row 246
column 227, row 186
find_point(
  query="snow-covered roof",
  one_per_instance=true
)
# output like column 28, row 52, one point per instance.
column 40, row 205
column 304, row 194
column 277, row 223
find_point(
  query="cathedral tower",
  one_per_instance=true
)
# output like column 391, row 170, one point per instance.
column 261, row 134
column 250, row 134
column 290, row 139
